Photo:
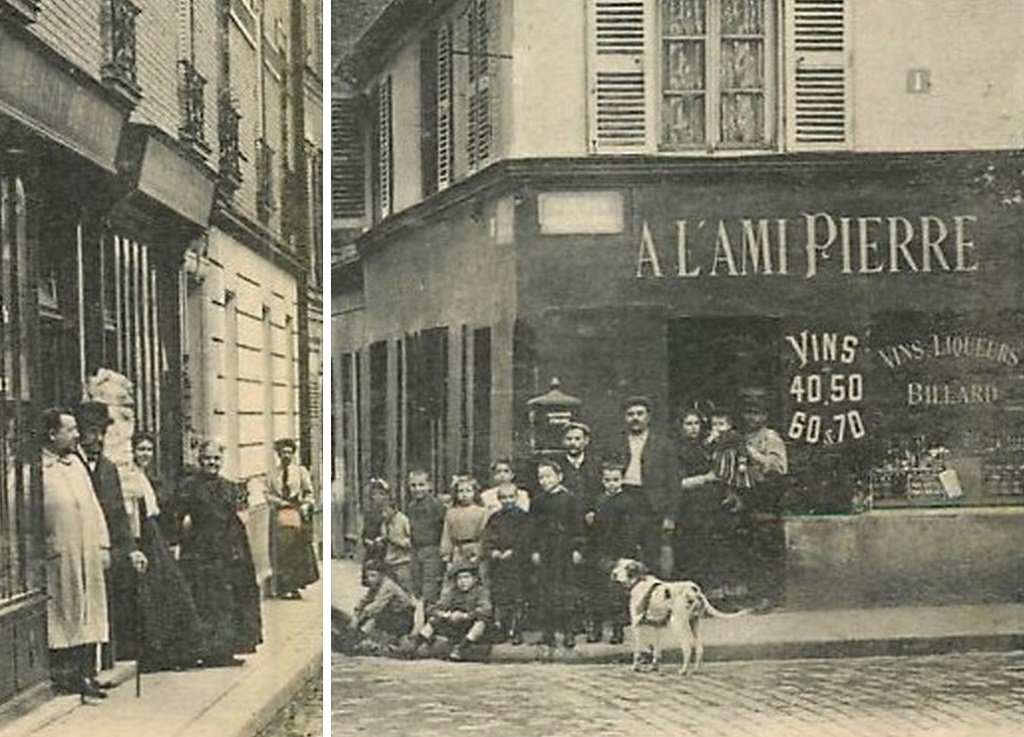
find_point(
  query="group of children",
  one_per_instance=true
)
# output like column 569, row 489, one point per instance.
column 485, row 564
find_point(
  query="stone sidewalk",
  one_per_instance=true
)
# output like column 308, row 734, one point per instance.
column 214, row 702
column 796, row 634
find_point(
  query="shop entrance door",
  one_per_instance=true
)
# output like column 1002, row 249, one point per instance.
column 712, row 358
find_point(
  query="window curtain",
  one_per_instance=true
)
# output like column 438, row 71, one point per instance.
column 742, row 74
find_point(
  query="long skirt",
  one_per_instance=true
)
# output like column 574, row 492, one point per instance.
column 171, row 633
column 295, row 564
column 224, row 588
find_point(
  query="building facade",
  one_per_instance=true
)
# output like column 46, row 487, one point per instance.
column 691, row 199
column 141, row 214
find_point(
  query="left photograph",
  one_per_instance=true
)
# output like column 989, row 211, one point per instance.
column 161, row 322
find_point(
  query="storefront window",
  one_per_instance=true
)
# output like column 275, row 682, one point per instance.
column 949, row 395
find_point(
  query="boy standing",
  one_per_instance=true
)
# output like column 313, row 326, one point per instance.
column 503, row 550
column 396, row 536
column 426, row 520
column 612, row 534
column 556, row 544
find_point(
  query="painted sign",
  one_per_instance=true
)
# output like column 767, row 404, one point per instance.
column 809, row 246
column 826, row 388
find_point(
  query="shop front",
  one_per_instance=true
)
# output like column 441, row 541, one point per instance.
column 95, row 216
column 874, row 302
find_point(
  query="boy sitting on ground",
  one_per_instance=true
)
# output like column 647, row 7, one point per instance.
column 461, row 616
column 384, row 615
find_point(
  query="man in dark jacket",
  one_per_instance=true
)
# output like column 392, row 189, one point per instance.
column 581, row 469
column 652, row 478
column 127, row 560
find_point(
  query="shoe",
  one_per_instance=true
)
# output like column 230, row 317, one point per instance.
column 515, row 637
column 569, row 640
column 456, row 654
column 88, row 689
column 291, row 595
column 618, row 636
column 224, row 662
column 594, row 633
column 106, row 685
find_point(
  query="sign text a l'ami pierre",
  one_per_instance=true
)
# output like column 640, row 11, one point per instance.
column 810, row 245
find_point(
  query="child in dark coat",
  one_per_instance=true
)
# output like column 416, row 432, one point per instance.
column 613, row 533
column 504, row 547
column 461, row 616
column 557, row 543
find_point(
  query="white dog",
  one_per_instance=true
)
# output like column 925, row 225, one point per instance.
column 664, row 609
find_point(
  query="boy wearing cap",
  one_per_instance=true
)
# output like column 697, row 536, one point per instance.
column 462, row 615
column 385, row 613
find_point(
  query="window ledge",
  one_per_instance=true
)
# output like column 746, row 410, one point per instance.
column 117, row 82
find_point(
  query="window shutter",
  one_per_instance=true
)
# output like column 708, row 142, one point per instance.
column 478, row 141
column 818, row 95
column 445, row 120
column 620, row 78
column 385, row 155
column 348, row 184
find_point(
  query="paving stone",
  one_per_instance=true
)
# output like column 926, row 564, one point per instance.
column 948, row 695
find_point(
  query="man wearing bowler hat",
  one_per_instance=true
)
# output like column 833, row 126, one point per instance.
column 652, row 477
column 126, row 559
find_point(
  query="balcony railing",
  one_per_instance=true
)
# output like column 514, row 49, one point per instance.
column 193, row 106
column 264, row 180
column 230, row 164
column 119, row 71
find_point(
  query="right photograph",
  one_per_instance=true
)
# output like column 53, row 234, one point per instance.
column 677, row 367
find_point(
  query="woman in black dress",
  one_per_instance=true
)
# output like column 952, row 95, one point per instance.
column 217, row 562
column 166, row 631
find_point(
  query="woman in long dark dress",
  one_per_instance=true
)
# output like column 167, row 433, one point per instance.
column 166, row 631
column 291, row 494
column 217, row 562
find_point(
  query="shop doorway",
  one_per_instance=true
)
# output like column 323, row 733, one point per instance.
column 711, row 359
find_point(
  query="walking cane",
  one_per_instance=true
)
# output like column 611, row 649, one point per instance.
column 140, row 630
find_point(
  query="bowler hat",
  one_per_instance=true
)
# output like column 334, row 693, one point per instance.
column 93, row 414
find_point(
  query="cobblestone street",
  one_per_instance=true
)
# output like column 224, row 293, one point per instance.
column 959, row 694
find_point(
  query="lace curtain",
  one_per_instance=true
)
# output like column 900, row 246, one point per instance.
column 739, row 83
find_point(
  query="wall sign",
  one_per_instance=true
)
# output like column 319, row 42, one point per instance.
column 826, row 388
column 809, row 246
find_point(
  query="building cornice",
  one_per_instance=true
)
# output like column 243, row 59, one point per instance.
column 512, row 175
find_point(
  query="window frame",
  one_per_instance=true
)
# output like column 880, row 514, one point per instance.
column 773, row 44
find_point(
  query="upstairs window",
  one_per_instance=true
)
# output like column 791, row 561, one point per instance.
column 716, row 73
column 702, row 75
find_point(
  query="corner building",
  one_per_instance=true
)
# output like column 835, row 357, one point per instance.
column 686, row 198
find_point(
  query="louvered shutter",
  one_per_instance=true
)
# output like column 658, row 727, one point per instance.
column 385, row 155
column 620, row 76
column 818, row 91
column 445, row 152
column 478, row 143
column 348, row 184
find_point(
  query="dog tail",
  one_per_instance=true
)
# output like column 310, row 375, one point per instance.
column 711, row 611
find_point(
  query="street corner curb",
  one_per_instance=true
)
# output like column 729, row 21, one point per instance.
column 269, row 708
column 614, row 654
